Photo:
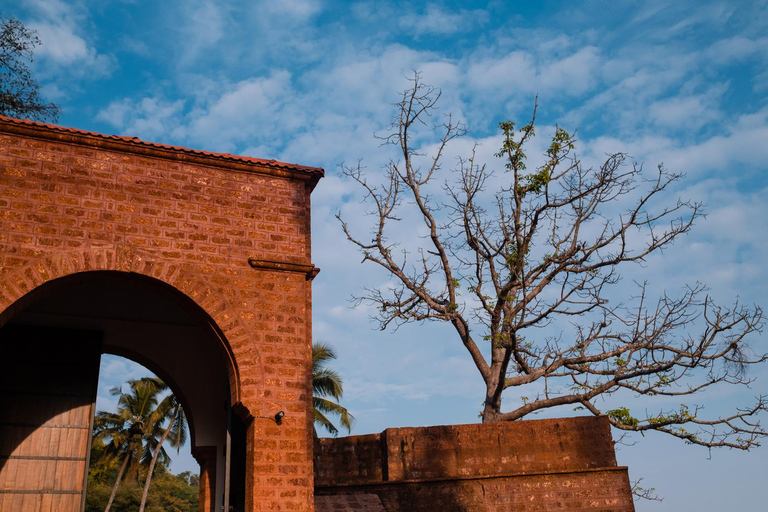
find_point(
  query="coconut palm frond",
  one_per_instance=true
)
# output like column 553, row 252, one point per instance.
column 326, row 382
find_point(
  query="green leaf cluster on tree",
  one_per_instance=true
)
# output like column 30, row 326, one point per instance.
column 128, row 444
column 19, row 92
column 524, row 264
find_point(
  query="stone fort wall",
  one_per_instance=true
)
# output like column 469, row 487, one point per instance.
column 561, row 464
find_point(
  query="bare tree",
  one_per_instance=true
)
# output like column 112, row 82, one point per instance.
column 19, row 92
column 524, row 274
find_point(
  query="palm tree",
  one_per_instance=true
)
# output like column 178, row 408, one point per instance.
column 327, row 383
column 176, row 432
column 125, row 429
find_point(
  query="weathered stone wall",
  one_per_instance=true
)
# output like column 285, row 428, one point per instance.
column 73, row 202
column 562, row 464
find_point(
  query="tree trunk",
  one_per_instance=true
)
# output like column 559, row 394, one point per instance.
column 117, row 482
column 491, row 412
column 494, row 385
column 155, row 455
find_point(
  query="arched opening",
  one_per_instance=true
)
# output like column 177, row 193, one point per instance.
column 127, row 393
column 58, row 332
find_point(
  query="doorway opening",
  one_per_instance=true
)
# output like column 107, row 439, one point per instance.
column 58, row 334
column 129, row 399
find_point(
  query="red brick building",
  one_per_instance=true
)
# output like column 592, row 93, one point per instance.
column 195, row 264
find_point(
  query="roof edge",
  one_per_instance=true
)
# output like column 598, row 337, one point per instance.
column 179, row 153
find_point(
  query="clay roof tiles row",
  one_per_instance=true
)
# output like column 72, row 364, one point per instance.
column 136, row 141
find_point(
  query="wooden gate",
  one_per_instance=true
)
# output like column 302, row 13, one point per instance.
column 48, row 381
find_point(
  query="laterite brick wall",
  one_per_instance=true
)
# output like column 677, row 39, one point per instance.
column 561, row 464
column 73, row 202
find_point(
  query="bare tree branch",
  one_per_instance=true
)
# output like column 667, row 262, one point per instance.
column 536, row 260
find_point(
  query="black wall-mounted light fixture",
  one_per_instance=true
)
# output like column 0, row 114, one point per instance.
column 277, row 418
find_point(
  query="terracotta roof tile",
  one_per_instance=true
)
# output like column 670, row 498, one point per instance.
column 135, row 140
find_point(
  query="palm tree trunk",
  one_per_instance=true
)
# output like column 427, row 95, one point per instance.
column 155, row 454
column 117, row 482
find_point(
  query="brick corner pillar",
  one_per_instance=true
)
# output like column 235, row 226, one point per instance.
column 279, row 433
column 206, row 457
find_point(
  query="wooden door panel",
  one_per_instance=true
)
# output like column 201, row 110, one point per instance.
column 48, row 380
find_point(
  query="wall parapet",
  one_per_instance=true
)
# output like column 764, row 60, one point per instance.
column 492, row 466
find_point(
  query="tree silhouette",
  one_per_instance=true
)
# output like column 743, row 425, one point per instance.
column 521, row 262
column 19, row 92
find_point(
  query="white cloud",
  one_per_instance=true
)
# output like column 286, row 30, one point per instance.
column 152, row 119
column 519, row 75
column 53, row 9
column 63, row 48
column 688, row 113
column 735, row 49
column 724, row 250
column 296, row 9
column 205, row 25
column 114, row 372
column 722, row 153
column 437, row 21
column 259, row 108
column 572, row 75
column 369, row 82
column 513, row 73
column 61, row 45
column 135, row 45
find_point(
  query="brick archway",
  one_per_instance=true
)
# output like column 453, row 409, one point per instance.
column 230, row 234
column 18, row 289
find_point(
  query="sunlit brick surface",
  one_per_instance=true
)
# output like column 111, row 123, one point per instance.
column 74, row 202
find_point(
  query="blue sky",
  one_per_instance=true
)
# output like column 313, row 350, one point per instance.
column 682, row 83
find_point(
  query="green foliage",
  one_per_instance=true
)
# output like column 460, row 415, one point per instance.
column 124, row 431
column 103, row 467
column 132, row 436
column 326, row 382
column 561, row 141
column 682, row 416
column 623, row 416
column 127, row 497
column 169, row 410
column 168, row 493
column 512, row 151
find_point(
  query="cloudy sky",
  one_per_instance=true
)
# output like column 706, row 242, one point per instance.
column 681, row 83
